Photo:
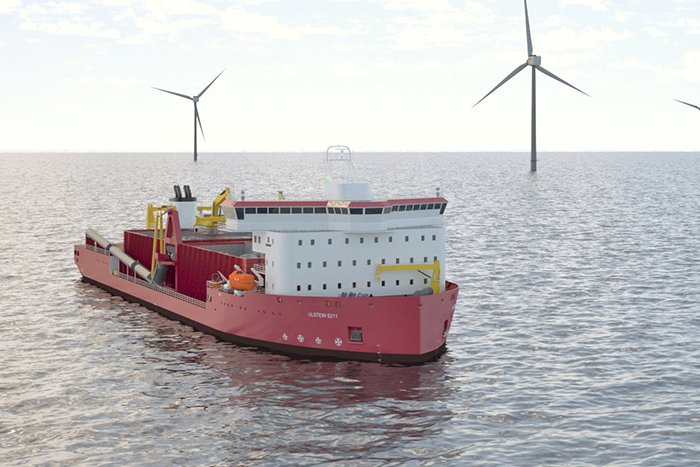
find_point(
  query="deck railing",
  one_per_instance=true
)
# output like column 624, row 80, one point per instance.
column 97, row 249
column 164, row 290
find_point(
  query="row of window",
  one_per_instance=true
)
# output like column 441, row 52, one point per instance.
column 312, row 241
column 354, row 284
column 390, row 239
column 324, row 264
column 241, row 212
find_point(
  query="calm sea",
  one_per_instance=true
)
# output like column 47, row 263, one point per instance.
column 576, row 338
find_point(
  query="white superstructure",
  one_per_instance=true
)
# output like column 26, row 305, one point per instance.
column 347, row 246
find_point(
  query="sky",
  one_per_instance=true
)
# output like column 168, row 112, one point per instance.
column 376, row 75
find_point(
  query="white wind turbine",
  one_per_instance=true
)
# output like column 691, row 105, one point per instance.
column 194, row 99
column 535, row 62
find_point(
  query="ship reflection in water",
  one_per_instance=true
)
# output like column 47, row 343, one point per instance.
column 261, row 406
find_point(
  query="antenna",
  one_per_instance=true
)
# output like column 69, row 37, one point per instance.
column 194, row 99
column 534, row 61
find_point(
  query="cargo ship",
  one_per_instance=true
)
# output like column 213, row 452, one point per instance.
column 347, row 277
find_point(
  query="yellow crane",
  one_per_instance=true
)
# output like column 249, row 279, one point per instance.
column 210, row 216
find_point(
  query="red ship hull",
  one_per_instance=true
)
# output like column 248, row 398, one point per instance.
column 392, row 329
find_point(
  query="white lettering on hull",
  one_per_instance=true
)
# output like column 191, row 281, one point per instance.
column 316, row 314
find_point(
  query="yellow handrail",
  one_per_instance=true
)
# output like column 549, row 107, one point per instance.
column 434, row 279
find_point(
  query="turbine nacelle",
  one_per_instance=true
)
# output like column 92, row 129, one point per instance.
column 195, row 99
column 534, row 60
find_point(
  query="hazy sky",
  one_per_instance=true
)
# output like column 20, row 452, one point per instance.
column 372, row 74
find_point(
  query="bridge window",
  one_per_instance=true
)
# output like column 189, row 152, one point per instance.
column 387, row 210
column 262, row 210
column 308, row 210
column 416, row 207
column 394, row 208
column 285, row 210
column 431, row 206
column 296, row 210
column 239, row 213
column 409, row 207
column 250, row 210
column 423, row 207
column 402, row 207
column 373, row 210
column 442, row 208
column 320, row 210
column 355, row 210
column 274, row 210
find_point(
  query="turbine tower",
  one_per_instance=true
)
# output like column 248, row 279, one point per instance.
column 194, row 99
column 691, row 105
column 535, row 61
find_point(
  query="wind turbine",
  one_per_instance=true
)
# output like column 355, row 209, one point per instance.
column 194, row 99
column 691, row 105
column 535, row 62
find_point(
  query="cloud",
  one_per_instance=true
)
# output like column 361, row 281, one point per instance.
column 8, row 6
column 598, row 5
column 252, row 24
column 688, row 72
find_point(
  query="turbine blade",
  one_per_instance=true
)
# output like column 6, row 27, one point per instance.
column 691, row 105
column 515, row 72
column 174, row 93
column 552, row 75
column 196, row 115
column 527, row 27
column 212, row 82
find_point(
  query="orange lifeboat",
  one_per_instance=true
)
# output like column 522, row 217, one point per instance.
column 241, row 281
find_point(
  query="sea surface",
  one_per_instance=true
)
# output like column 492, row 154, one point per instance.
column 576, row 339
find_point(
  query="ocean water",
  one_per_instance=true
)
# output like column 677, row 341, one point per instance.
column 576, row 339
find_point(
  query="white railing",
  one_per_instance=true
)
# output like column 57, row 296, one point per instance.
column 164, row 290
column 97, row 249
